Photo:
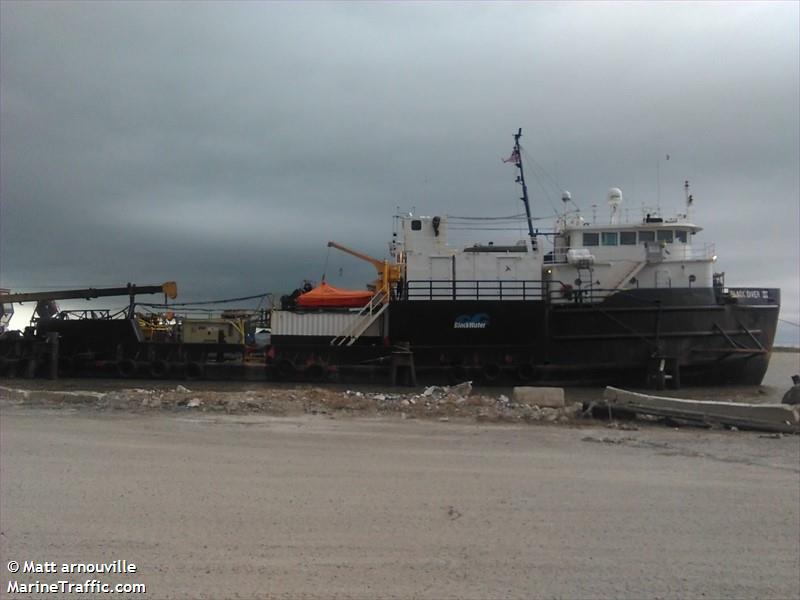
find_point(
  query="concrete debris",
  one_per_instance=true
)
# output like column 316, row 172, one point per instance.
column 544, row 397
column 735, row 415
column 462, row 389
column 441, row 403
column 444, row 403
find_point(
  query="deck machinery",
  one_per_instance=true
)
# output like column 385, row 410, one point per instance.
column 125, row 344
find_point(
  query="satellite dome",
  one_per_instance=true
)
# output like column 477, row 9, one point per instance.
column 615, row 196
column 566, row 196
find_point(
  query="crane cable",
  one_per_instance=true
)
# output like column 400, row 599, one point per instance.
column 325, row 267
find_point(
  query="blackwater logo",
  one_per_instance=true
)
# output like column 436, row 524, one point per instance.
column 477, row 321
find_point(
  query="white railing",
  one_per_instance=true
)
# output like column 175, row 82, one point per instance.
column 688, row 252
column 677, row 251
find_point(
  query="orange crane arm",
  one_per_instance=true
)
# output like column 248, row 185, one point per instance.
column 378, row 264
column 387, row 272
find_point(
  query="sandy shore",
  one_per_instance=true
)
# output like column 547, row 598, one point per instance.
column 251, row 506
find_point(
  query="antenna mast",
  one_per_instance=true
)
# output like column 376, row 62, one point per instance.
column 521, row 181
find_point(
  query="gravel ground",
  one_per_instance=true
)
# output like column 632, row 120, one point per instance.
column 251, row 506
column 219, row 501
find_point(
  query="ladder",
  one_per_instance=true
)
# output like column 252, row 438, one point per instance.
column 366, row 317
column 632, row 273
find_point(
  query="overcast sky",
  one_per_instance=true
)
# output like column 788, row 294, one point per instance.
column 222, row 145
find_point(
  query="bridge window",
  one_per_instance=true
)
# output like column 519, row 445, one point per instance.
column 647, row 236
column 665, row 235
column 609, row 238
column 680, row 236
column 591, row 239
column 627, row 238
column 416, row 225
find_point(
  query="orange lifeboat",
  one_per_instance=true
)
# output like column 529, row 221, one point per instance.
column 327, row 296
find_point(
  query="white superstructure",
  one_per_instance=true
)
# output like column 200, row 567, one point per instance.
column 478, row 271
column 653, row 253
column 587, row 261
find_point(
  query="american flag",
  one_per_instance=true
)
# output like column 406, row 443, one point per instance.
column 513, row 158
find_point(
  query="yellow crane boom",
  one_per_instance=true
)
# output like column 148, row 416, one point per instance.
column 387, row 272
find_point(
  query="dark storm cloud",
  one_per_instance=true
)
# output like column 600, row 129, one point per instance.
column 224, row 144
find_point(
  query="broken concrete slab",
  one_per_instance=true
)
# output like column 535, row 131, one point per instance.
column 544, row 397
column 762, row 417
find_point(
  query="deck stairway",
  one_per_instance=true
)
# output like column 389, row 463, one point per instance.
column 631, row 274
column 366, row 317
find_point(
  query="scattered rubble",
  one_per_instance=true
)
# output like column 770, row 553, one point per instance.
column 443, row 403
column 549, row 397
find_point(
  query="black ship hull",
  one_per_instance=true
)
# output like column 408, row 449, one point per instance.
column 655, row 338
column 641, row 337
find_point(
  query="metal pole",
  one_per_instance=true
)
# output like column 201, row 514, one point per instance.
column 521, row 181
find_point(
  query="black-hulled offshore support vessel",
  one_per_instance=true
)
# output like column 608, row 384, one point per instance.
column 619, row 302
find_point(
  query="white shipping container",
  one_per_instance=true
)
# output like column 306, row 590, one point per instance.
column 325, row 324
column 207, row 331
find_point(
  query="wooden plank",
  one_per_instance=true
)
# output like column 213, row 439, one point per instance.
column 764, row 417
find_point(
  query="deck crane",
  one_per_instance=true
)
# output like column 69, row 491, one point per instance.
column 45, row 301
column 388, row 272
